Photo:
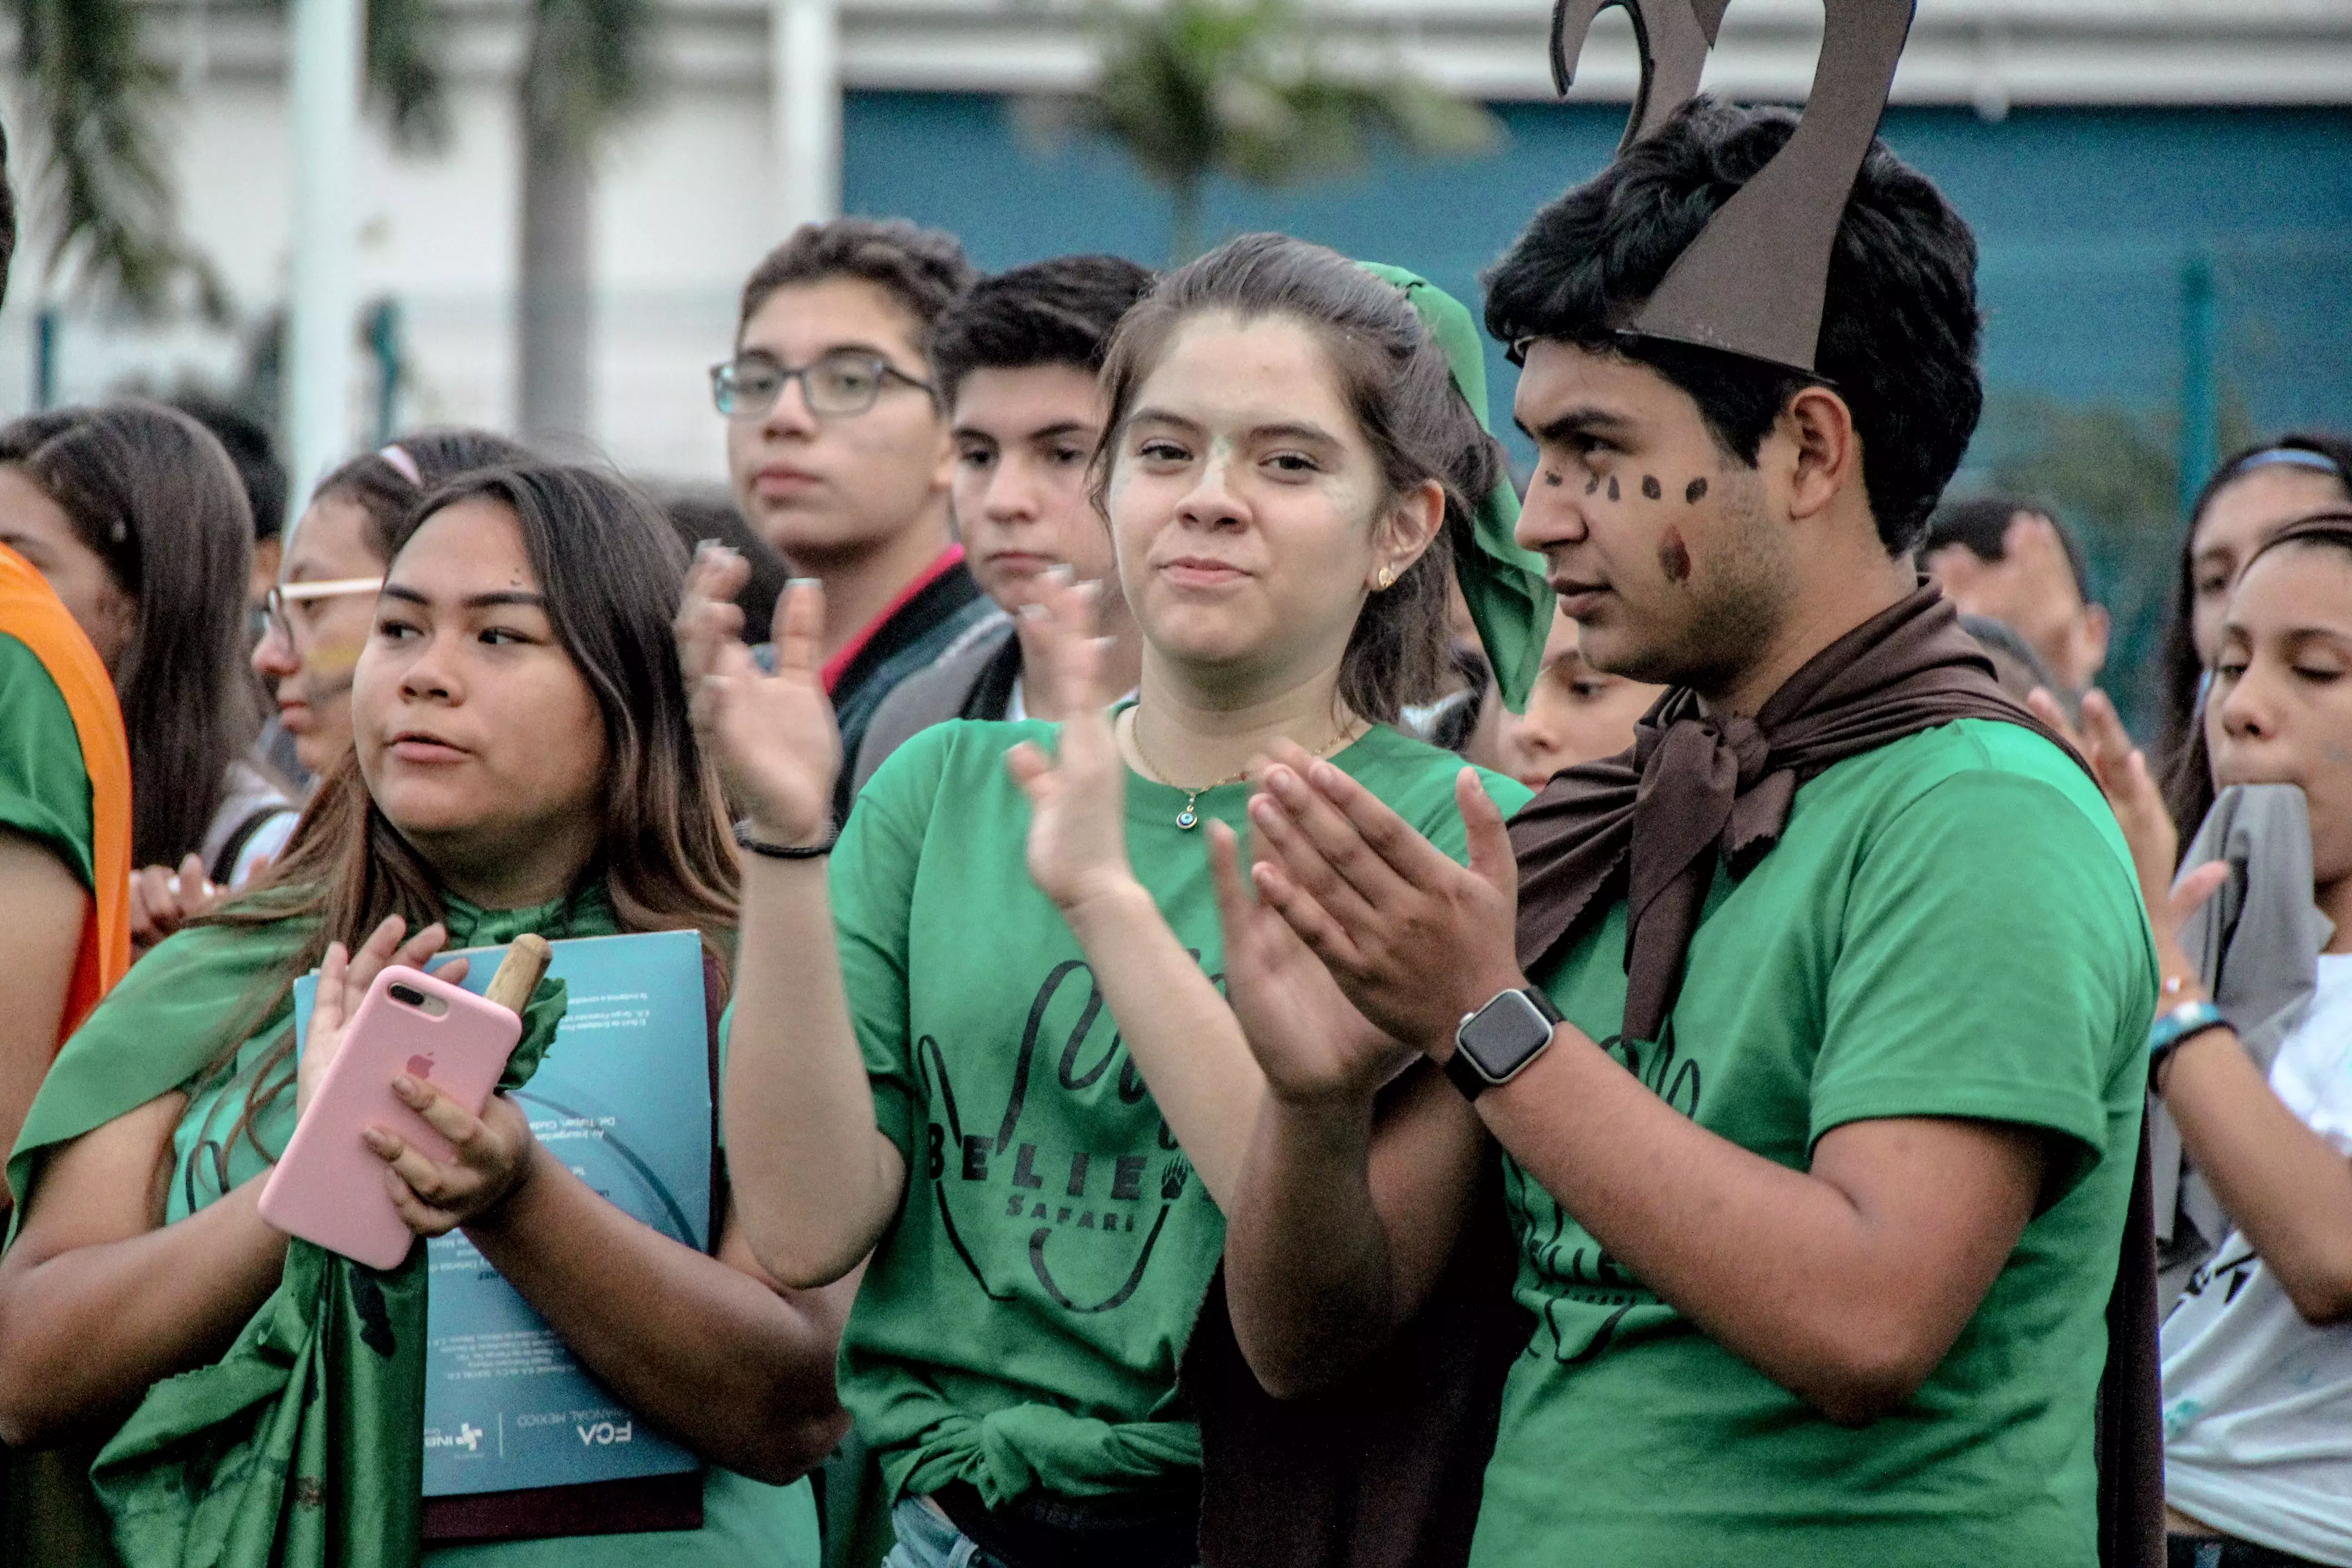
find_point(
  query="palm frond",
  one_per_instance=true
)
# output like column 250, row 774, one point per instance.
column 405, row 77
column 1196, row 87
column 96, row 101
column 591, row 64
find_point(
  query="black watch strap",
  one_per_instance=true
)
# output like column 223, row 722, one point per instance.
column 1466, row 1077
column 1527, row 1018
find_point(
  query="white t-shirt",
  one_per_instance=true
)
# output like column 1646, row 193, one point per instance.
column 2258, row 1403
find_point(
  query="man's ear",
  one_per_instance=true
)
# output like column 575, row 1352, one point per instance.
column 2096, row 629
column 1826, row 449
column 1412, row 527
column 943, row 469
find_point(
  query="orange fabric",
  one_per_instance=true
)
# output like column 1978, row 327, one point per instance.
column 30, row 613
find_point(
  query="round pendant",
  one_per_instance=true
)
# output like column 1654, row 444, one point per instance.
column 1188, row 818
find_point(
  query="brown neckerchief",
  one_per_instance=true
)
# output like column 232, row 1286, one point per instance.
column 1651, row 822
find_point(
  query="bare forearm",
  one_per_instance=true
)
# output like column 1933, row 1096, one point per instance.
column 1782, row 1267
column 1184, row 1039
column 2283, row 1184
column 82, row 1333
column 46, row 910
column 1307, row 1272
column 816, row 1182
column 704, row 1351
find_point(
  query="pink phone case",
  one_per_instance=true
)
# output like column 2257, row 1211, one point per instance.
column 328, row 1185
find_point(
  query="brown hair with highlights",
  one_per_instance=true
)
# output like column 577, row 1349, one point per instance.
column 1392, row 377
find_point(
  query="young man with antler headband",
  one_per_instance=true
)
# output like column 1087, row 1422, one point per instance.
column 1813, row 1028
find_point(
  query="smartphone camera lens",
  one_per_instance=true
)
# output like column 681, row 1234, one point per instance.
column 408, row 994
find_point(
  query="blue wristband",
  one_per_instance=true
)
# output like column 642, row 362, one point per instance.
column 2175, row 1028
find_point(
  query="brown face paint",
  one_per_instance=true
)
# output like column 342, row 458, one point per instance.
column 1696, row 492
column 1552, row 479
column 1673, row 557
column 1612, row 489
column 1650, row 487
column 1592, row 484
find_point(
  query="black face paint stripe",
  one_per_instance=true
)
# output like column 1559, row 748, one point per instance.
column 1650, row 487
column 1613, row 494
column 1696, row 492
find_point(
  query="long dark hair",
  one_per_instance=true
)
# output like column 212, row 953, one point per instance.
column 610, row 570
column 2187, row 770
column 155, row 495
column 1395, row 379
column 387, row 483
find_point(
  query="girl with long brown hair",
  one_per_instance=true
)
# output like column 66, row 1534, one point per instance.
column 993, row 1049
column 522, row 762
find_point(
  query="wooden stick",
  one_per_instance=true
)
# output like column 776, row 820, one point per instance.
column 519, row 976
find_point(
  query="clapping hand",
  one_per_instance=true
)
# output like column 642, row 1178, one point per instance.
column 1078, row 798
column 2122, row 771
column 773, row 737
column 1414, row 940
column 1312, row 1043
column 162, row 901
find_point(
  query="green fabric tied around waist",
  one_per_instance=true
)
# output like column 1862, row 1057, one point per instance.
column 1504, row 585
column 1008, row 1452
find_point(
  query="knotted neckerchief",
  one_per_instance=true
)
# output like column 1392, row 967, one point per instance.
column 1651, row 822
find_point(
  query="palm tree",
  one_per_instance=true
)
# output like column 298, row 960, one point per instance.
column 590, row 64
column 96, row 101
column 92, row 94
column 1196, row 87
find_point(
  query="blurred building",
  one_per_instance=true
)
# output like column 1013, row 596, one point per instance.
column 2155, row 184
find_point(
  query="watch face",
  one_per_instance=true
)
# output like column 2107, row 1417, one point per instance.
column 1505, row 1035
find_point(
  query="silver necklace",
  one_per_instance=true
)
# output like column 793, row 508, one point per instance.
column 1190, row 817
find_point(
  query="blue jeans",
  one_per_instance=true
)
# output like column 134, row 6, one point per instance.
column 927, row 1541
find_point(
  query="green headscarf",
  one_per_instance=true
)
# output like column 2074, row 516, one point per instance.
column 299, row 1446
column 1504, row 585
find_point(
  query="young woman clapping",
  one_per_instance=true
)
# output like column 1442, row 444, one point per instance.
column 990, row 1048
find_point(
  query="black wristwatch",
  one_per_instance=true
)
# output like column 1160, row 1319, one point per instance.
column 1496, row 1044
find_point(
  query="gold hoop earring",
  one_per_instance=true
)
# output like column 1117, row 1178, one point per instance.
column 1387, row 577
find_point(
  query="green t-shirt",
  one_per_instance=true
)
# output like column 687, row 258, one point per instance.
column 211, row 970
column 1021, row 1322
column 43, row 789
column 1949, row 926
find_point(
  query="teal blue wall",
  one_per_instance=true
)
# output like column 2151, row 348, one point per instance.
column 2085, row 218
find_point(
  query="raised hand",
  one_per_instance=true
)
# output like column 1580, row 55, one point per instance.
column 773, row 737
column 2131, row 790
column 343, row 981
column 1414, row 940
column 1078, row 798
column 162, row 900
column 1310, row 1040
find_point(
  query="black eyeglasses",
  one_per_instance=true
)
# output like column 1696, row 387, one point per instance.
column 847, row 382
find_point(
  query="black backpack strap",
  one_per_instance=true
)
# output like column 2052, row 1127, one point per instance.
column 224, row 863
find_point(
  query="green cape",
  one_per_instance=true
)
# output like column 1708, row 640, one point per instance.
column 1504, row 585
column 301, row 1445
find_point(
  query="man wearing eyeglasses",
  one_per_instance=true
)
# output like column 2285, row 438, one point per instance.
column 839, row 450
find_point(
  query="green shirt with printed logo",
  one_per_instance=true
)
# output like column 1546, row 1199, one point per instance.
column 1949, row 926
column 1021, row 1322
